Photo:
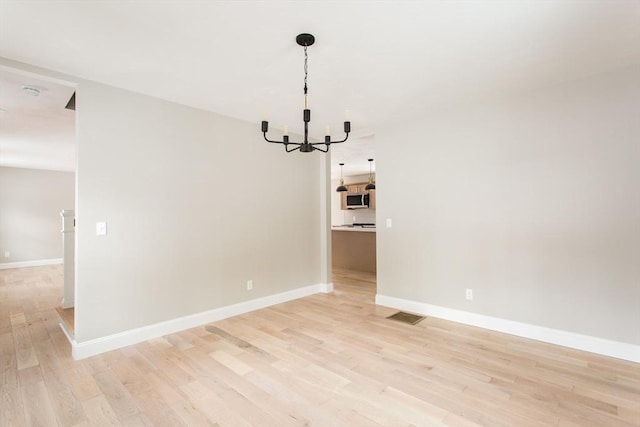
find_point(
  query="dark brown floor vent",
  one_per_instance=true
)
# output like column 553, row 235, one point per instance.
column 403, row 317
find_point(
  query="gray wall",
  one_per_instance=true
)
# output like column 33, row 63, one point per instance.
column 196, row 204
column 30, row 205
column 531, row 201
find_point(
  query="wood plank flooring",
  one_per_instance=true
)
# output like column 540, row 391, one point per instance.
column 324, row 360
column 68, row 317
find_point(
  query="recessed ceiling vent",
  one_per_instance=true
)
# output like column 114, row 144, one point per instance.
column 71, row 105
column 31, row 91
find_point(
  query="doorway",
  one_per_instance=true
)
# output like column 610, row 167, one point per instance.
column 353, row 225
column 37, row 162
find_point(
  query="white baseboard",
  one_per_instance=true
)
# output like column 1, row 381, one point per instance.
column 34, row 263
column 328, row 288
column 597, row 345
column 67, row 304
column 67, row 333
column 82, row 350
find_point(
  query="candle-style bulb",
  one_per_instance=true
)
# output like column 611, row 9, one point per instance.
column 285, row 130
column 327, row 130
column 347, row 115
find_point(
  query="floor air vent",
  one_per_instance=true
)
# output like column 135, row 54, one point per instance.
column 403, row 317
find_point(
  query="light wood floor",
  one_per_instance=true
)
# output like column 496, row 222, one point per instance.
column 68, row 317
column 324, row 360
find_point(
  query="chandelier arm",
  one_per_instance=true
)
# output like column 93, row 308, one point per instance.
column 320, row 149
column 286, row 147
column 301, row 143
column 331, row 142
column 280, row 142
column 268, row 140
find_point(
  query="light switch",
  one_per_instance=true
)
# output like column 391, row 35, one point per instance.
column 389, row 222
column 101, row 228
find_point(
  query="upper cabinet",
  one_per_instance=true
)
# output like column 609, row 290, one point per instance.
column 356, row 188
column 372, row 199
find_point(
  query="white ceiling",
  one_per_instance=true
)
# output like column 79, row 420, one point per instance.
column 35, row 131
column 382, row 60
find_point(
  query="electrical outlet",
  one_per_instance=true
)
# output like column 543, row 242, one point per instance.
column 469, row 294
column 101, row 228
column 7, row 254
column 249, row 285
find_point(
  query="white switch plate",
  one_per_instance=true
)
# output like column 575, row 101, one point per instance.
column 389, row 223
column 469, row 294
column 249, row 285
column 101, row 228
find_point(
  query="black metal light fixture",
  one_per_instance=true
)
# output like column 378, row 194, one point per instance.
column 306, row 40
column 371, row 185
column 341, row 188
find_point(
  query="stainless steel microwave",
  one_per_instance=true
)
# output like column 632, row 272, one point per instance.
column 357, row 201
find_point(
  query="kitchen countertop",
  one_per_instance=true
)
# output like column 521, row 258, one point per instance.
column 357, row 229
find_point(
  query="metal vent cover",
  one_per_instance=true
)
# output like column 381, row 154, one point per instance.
column 404, row 317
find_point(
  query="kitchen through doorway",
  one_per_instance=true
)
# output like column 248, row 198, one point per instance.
column 353, row 224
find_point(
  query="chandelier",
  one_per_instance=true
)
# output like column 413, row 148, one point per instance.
column 305, row 40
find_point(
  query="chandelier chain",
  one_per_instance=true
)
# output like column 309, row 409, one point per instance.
column 306, row 58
